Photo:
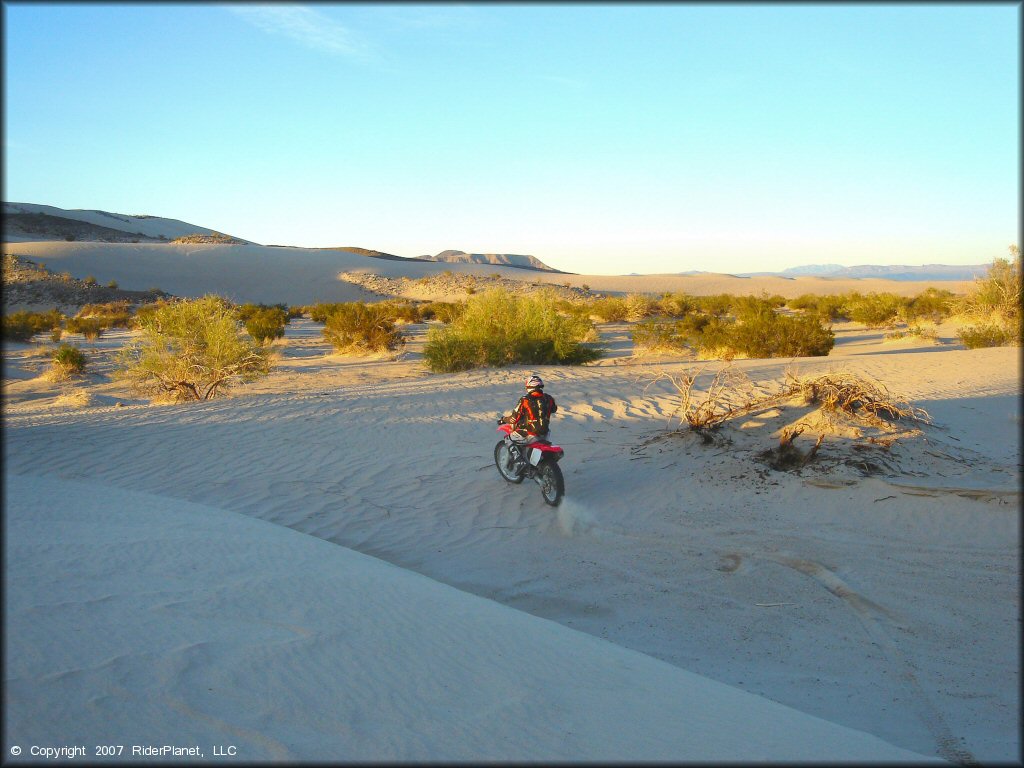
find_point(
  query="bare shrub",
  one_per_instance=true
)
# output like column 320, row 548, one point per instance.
column 731, row 393
column 856, row 395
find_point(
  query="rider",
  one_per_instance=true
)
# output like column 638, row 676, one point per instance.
column 532, row 414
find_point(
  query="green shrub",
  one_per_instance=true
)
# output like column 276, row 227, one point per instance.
column 994, row 305
column 147, row 311
column 498, row 328
column 610, row 309
column 661, row 335
column 676, row 304
column 68, row 361
column 263, row 323
column 443, row 311
column 877, row 310
column 987, row 335
column 319, row 312
column 191, row 350
column 23, row 325
column 402, row 311
column 717, row 305
column 90, row 327
column 639, row 306
column 828, row 308
column 933, row 304
column 361, row 328
column 114, row 314
column 761, row 332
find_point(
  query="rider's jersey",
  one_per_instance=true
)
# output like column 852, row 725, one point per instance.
column 533, row 412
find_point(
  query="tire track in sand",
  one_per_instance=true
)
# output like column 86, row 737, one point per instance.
column 872, row 615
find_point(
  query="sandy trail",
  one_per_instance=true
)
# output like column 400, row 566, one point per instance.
column 679, row 550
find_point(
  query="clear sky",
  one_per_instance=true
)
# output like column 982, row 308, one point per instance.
column 603, row 139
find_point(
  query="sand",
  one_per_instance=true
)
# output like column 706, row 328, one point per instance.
column 685, row 602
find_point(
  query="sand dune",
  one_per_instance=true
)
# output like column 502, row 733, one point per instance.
column 271, row 274
column 200, row 627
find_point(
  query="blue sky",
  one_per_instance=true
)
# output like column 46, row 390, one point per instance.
column 603, row 139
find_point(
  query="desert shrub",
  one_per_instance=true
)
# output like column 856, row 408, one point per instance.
column 498, row 328
column 986, row 335
column 402, row 311
column 56, row 334
column 639, row 306
column 676, row 304
column 828, row 308
column 22, row 326
column 294, row 313
column 90, row 280
column 90, row 327
column 191, row 350
column 443, row 311
column 361, row 328
column 17, row 327
column 320, row 311
column 67, row 361
column 112, row 285
column 932, row 304
column 877, row 310
column 913, row 330
column 661, row 335
column 114, row 314
column 610, row 309
column 762, row 332
column 718, row 305
column 263, row 323
column 993, row 305
column 146, row 311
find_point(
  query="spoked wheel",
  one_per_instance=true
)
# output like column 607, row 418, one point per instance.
column 552, row 485
column 506, row 464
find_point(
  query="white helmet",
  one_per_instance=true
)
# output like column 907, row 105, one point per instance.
column 534, row 382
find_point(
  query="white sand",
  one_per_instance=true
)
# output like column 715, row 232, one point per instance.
column 141, row 620
column 887, row 604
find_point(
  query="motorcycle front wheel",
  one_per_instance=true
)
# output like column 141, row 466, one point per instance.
column 552, row 484
column 505, row 463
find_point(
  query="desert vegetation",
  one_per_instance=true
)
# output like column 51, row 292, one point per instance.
column 745, row 327
column 992, row 309
column 358, row 328
column 191, row 350
column 498, row 328
column 264, row 322
column 23, row 325
column 67, row 361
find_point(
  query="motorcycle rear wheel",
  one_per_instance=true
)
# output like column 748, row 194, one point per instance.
column 504, row 462
column 552, row 484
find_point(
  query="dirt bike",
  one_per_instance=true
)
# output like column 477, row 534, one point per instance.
column 537, row 461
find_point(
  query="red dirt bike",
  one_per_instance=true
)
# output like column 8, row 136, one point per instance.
column 537, row 461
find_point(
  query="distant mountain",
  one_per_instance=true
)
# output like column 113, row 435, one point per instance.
column 497, row 259
column 882, row 271
column 26, row 222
